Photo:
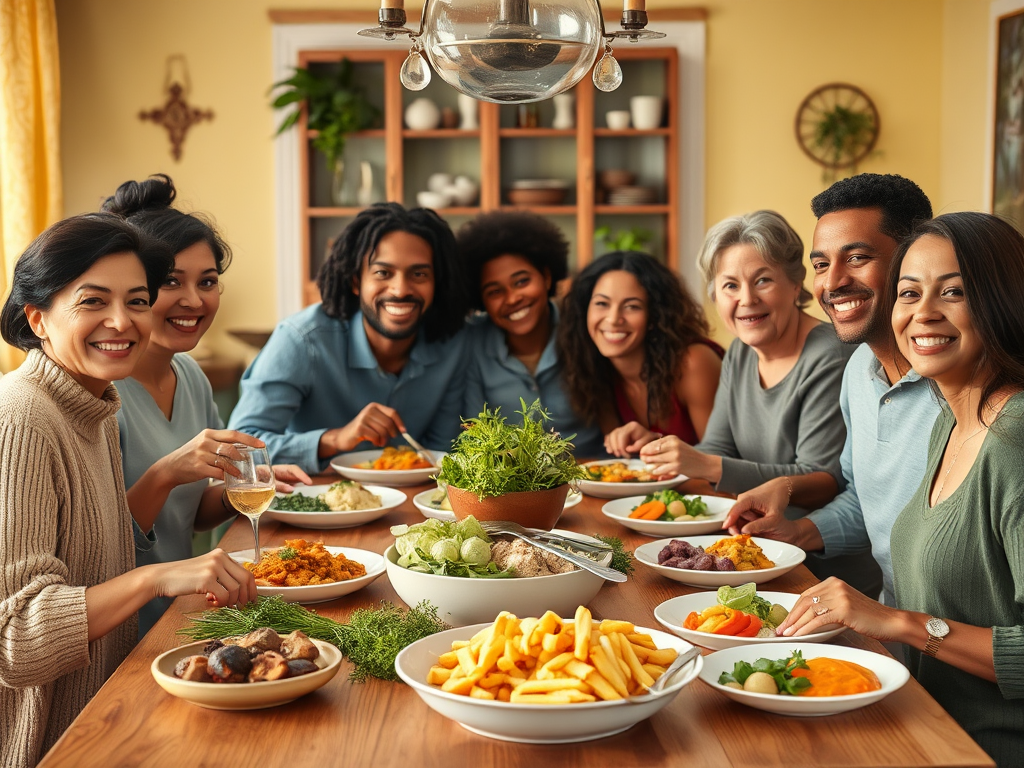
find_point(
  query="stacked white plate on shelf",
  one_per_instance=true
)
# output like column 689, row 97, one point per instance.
column 632, row 196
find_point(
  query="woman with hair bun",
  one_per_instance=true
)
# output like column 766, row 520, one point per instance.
column 173, row 441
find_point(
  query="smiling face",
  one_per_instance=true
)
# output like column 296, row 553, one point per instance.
column 850, row 258
column 515, row 294
column 617, row 315
column 755, row 299
column 396, row 285
column 188, row 300
column 931, row 320
column 97, row 326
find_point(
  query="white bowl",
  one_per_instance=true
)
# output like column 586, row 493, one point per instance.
column 718, row 508
column 533, row 723
column 617, row 119
column 321, row 593
column 618, row 490
column 389, row 497
column 891, row 674
column 270, row 693
column 462, row 601
column 785, row 556
column 345, row 465
column 423, row 503
column 672, row 613
column 433, row 200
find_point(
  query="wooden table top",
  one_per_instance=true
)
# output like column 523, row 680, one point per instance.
column 133, row 722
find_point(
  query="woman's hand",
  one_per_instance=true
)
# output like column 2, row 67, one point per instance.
column 287, row 475
column 224, row 581
column 761, row 512
column 835, row 602
column 626, row 440
column 207, row 455
column 671, row 456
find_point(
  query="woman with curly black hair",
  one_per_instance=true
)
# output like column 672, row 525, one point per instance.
column 635, row 350
column 513, row 261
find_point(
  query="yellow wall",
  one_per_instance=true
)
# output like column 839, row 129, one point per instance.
column 923, row 62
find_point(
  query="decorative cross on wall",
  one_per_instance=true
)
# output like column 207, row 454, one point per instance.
column 176, row 115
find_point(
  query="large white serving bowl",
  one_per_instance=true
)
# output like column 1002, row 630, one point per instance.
column 322, row 521
column 672, row 613
column 269, row 693
column 785, row 556
column 462, row 601
column 891, row 674
column 321, row 593
column 423, row 503
column 533, row 723
column 619, row 509
column 618, row 490
column 345, row 465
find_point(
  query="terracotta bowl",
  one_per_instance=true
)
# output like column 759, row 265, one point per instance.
column 534, row 509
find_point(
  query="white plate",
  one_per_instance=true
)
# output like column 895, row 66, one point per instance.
column 891, row 674
column 785, row 556
column 269, row 693
column 389, row 497
column 618, row 490
column 320, row 593
column 619, row 509
column 533, row 723
column 345, row 465
column 424, row 505
column 672, row 613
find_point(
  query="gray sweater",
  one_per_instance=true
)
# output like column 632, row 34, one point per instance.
column 963, row 560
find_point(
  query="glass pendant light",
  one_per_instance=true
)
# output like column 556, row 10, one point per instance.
column 415, row 74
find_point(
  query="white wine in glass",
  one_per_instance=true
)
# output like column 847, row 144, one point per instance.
column 251, row 492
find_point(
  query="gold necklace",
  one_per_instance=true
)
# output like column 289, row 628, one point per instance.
column 956, row 454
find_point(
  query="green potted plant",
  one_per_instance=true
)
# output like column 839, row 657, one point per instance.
column 633, row 239
column 335, row 106
column 841, row 134
column 501, row 471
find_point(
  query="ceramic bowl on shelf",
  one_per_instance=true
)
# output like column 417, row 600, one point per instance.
column 615, row 177
column 617, row 119
column 552, row 196
column 432, row 200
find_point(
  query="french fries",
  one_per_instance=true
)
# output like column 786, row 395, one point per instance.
column 549, row 660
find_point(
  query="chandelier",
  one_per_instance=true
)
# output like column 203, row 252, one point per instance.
column 511, row 51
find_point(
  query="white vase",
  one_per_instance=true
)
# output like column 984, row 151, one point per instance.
column 565, row 115
column 422, row 114
column 468, row 107
column 646, row 111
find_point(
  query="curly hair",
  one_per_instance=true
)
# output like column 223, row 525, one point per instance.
column 674, row 322
column 517, row 233
column 903, row 203
column 985, row 246
column 357, row 243
column 147, row 205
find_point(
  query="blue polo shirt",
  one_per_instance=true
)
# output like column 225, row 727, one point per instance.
column 496, row 377
column 317, row 373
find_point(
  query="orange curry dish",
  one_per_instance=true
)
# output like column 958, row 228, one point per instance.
column 302, row 564
column 400, row 458
column 835, row 677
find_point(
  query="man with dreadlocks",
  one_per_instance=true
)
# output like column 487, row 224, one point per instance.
column 380, row 355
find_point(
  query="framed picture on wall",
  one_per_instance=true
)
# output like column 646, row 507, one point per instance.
column 1008, row 141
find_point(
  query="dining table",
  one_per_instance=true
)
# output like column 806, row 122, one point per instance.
column 133, row 722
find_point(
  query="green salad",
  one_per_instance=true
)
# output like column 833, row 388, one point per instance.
column 679, row 506
column 444, row 548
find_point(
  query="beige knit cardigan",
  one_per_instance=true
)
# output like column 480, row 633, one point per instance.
column 64, row 526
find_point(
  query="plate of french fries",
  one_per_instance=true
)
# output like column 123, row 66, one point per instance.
column 545, row 680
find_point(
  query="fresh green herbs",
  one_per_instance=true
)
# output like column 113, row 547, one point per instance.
column 491, row 457
column 781, row 671
column 622, row 558
column 371, row 638
column 286, row 553
column 461, row 548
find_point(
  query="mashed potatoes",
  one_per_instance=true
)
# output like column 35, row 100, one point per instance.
column 348, row 496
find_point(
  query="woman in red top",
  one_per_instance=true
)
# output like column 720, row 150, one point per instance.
column 635, row 351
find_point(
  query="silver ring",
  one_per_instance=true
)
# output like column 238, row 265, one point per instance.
column 821, row 611
column 219, row 446
column 815, row 599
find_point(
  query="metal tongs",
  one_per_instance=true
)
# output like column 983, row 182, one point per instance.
column 515, row 529
column 427, row 455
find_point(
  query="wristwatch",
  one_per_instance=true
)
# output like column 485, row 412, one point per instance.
column 937, row 630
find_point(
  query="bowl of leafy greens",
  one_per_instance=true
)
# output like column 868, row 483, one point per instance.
column 502, row 471
column 669, row 513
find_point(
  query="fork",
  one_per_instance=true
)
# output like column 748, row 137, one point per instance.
column 662, row 682
column 515, row 529
column 427, row 455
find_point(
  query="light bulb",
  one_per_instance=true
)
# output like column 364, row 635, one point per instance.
column 415, row 74
column 607, row 72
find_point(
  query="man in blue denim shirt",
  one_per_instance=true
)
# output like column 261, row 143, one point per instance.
column 380, row 355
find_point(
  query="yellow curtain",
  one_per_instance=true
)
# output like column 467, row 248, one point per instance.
column 30, row 181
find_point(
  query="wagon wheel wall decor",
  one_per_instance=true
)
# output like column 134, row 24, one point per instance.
column 837, row 127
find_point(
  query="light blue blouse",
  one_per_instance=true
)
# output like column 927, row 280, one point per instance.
column 498, row 378
column 317, row 373
column 147, row 436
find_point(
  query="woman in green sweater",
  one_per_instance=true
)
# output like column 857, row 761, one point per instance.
column 958, row 545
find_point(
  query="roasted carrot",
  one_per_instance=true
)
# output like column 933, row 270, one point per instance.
column 652, row 510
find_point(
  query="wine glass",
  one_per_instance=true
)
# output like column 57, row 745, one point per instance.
column 253, row 490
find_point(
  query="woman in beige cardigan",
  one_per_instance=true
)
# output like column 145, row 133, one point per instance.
column 69, row 592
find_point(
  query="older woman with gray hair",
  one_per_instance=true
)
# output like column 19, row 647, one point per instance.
column 777, row 407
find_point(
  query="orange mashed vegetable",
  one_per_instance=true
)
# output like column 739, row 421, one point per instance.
column 833, row 677
column 400, row 458
column 744, row 553
column 311, row 564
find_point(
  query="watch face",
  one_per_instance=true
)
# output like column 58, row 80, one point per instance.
column 937, row 628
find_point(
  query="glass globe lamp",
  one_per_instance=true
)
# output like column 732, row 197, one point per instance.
column 512, row 51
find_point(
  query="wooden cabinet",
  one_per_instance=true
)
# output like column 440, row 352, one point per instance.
column 499, row 153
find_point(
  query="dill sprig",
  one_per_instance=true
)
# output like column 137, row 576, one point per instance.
column 371, row 638
column 622, row 558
